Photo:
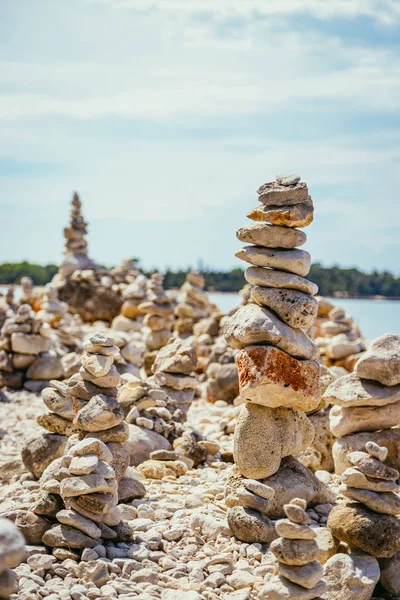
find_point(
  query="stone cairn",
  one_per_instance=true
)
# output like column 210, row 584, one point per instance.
column 337, row 336
column 52, row 309
column 126, row 272
column 94, row 473
column 194, row 304
column 159, row 318
column 27, row 295
column 26, row 355
column 277, row 362
column 134, row 294
column 299, row 573
column 12, row 553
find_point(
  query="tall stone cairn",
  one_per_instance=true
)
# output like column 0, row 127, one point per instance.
column 76, row 246
column 194, row 304
column 94, row 473
column 277, row 362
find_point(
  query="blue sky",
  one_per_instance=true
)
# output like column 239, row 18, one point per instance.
column 166, row 116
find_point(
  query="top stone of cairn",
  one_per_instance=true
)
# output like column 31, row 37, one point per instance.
column 287, row 190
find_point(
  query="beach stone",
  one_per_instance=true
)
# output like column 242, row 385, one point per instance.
column 306, row 575
column 29, row 343
column 85, row 390
column 130, row 488
column 85, row 484
column 103, row 350
column 272, row 278
column 296, row 514
column 176, row 357
column 101, row 412
column 31, row 526
column 277, row 194
column 83, row 465
column 294, row 531
column 12, row 545
column 350, row 391
column 270, row 377
column 91, row 446
column 299, row 215
column 283, row 179
column 271, row 236
column 352, row 477
column 294, row 261
column 390, row 438
column 367, row 530
column 252, row 324
column 376, row 451
column 262, row 490
column 142, row 442
column 56, row 424
column 295, row 308
column 344, row 421
column 250, row 526
column 274, row 433
column 57, row 403
column 98, row 365
column 101, row 339
column 381, row 362
column 63, row 536
column 387, row 503
column 38, row 453
column 351, row 576
column 250, row 500
column 45, row 368
column 372, row 467
column 390, row 573
column 294, row 552
column 280, row 588
column 74, row 519
column 119, row 433
column 110, row 380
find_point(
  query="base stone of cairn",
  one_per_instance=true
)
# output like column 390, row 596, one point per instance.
column 27, row 355
column 194, row 304
column 278, row 373
column 93, row 474
column 12, row 553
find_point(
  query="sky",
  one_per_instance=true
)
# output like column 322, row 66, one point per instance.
column 167, row 115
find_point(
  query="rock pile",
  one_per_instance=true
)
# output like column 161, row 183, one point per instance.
column 368, row 519
column 12, row 552
column 126, row 272
column 367, row 400
column 194, row 304
column 277, row 362
column 134, row 294
column 93, row 474
column 27, row 355
column 337, row 336
column 27, row 295
column 299, row 573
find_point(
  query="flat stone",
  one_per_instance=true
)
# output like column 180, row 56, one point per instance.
column 97, row 349
column 271, row 236
column 83, row 465
column 296, row 514
column 294, row 531
column 276, row 194
column 175, row 381
column 294, row 261
column 274, row 434
column 91, row 446
column 306, row 575
column 101, row 412
column 56, row 424
column 250, row 526
column 387, row 503
column 12, row 545
column 250, row 500
column 344, row 421
column 270, row 377
column 98, row 365
column 62, row 536
column 272, row 278
column 104, row 470
column 85, row 390
column 283, row 179
column 25, row 343
column 352, row 477
column 280, row 588
column 295, row 308
column 299, row 215
column 367, row 530
column 85, row 484
column 372, row 467
column 118, row 434
column 252, row 324
column 294, row 552
column 97, row 503
column 351, row 576
column 381, row 362
column 73, row 519
column 350, row 391
column 262, row 490
column 110, row 380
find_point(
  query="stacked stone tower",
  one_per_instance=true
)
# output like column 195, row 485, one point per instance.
column 277, row 362
column 194, row 303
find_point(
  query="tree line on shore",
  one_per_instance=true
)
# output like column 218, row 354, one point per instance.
column 330, row 280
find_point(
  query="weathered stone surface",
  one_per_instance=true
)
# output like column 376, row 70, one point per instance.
column 176, row 357
column 142, row 442
column 295, row 308
column 101, row 412
column 25, row 343
column 74, row 519
column 372, row 467
column 271, row 236
column 294, row 261
column 12, row 545
column 387, row 503
column 274, row 434
column 188, row 446
column 272, row 378
column 91, row 446
column 351, row 576
column 294, row 531
column 262, row 490
column 250, row 526
column 344, row 421
column 390, row 574
column 56, row 424
column 374, row 533
column 376, row 451
column 294, row 552
column 278, row 194
column 80, row 388
column 280, row 588
column 63, row 536
column 222, row 382
column 296, row 513
column 381, row 362
column 119, row 433
column 250, row 500
column 31, row 526
column 350, row 391
column 299, row 215
column 272, row 278
column 106, row 381
column 252, row 324
column 85, row 484
column 57, row 403
column 390, row 438
column 38, row 453
column 120, row 459
column 352, row 477
column 83, row 465
column 98, row 365
column 306, row 575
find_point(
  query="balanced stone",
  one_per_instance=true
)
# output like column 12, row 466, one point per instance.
column 284, row 179
column 250, row 500
column 74, row 519
column 372, row 467
column 299, row 215
column 294, row 261
column 344, row 421
column 294, row 552
column 262, row 490
column 83, row 465
column 296, row 513
column 353, row 477
column 381, row 362
column 271, row 278
column 272, row 378
column 350, row 391
column 306, row 575
column 287, row 529
column 98, row 365
column 250, row 525
column 387, row 503
column 252, row 324
column 64, row 536
column 271, row 236
column 91, row 446
column 295, row 308
column 101, row 412
column 378, row 452
column 276, row 194
column 280, row 588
